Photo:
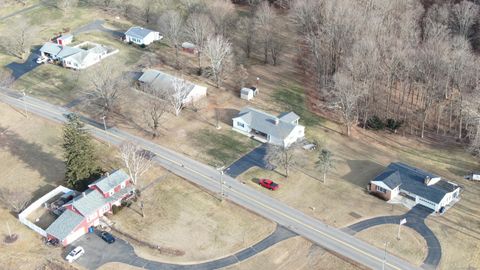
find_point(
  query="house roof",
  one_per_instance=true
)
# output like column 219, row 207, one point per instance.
column 82, row 54
column 265, row 123
column 289, row 117
column 162, row 81
column 64, row 224
column 413, row 180
column 138, row 32
column 59, row 50
column 110, row 181
column 89, row 202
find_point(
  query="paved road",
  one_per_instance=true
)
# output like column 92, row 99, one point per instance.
column 328, row 237
column 97, row 25
column 415, row 220
column 122, row 251
column 256, row 157
column 21, row 11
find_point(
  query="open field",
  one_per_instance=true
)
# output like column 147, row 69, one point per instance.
column 295, row 253
column 411, row 246
column 181, row 216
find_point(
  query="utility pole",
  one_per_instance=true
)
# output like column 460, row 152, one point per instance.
column 25, row 103
column 384, row 256
column 222, row 194
column 105, row 128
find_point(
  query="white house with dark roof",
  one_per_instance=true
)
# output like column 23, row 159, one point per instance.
column 162, row 81
column 85, row 210
column 415, row 184
column 280, row 130
column 141, row 36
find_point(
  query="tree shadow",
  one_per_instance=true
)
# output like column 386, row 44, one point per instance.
column 362, row 171
column 225, row 115
column 255, row 180
column 32, row 154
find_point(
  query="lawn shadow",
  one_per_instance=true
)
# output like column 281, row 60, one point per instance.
column 362, row 171
column 46, row 164
column 225, row 115
column 255, row 180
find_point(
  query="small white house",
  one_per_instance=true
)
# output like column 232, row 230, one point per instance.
column 248, row 93
column 164, row 82
column 282, row 130
column 141, row 36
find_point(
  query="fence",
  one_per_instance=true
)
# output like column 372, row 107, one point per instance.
column 39, row 203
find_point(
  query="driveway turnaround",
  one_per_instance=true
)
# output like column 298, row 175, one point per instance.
column 208, row 177
column 415, row 220
column 98, row 253
column 256, row 157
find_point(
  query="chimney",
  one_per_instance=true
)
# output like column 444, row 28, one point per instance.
column 276, row 120
column 427, row 180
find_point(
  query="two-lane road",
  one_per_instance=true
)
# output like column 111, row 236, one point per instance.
column 209, row 178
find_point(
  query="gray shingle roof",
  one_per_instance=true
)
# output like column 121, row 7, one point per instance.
column 109, row 182
column 289, row 117
column 89, row 202
column 162, row 81
column 138, row 32
column 413, row 180
column 59, row 51
column 64, row 224
column 264, row 122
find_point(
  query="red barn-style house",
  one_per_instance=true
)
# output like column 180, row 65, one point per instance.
column 85, row 210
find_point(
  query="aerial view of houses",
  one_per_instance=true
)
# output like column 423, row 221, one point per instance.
column 234, row 134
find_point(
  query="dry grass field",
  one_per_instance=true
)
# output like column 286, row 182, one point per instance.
column 181, row 216
column 411, row 246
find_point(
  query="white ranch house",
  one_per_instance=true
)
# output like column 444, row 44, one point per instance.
column 282, row 130
column 141, row 36
column 162, row 81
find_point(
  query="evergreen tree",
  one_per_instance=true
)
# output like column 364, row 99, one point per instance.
column 80, row 159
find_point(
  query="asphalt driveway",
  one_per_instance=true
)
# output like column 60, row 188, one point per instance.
column 98, row 253
column 256, row 157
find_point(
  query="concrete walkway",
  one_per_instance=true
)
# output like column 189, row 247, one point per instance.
column 415, row 220
column 98, row 253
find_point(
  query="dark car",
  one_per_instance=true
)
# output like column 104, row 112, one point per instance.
column 267, row 183
column 107, row 237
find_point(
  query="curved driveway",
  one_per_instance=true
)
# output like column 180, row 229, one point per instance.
column 121, row 251
column 415, row 220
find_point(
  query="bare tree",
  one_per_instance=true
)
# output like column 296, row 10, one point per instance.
column 107, row 86
column 223, row 16
column 247, row 34
column 16, row 40
column 219, row 51
column 345, row 99
column 66, row 5
column 281, row 155
column 171, row 24
column 276, row 46
column 325, row 162
column 156, row 109
column 198, row 28
column 137, row 161
column 463, row 17
column 241, row 76
column 14, row 200
column 265, row 21
column 178, row 94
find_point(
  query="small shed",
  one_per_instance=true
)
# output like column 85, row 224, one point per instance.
column 65, row 39
column 189, row 47
column 248, row 93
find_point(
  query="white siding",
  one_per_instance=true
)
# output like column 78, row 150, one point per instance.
column 197, row 93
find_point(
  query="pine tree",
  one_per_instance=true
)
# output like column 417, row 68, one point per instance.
column 80, row 158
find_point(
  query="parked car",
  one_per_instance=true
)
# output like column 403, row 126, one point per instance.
column 75, row 254
column 267, row 183
column 42, row 60
column 107, row 237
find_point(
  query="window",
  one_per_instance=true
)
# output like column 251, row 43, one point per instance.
column 240, row 124
column 381, row 189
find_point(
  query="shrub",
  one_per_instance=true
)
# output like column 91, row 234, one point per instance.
column 393, row 124
column 375, row 123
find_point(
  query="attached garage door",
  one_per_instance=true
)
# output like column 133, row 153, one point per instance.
column 75, row 235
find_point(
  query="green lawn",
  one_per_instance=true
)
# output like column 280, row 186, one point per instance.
column 292, row 98
column 223, row 148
